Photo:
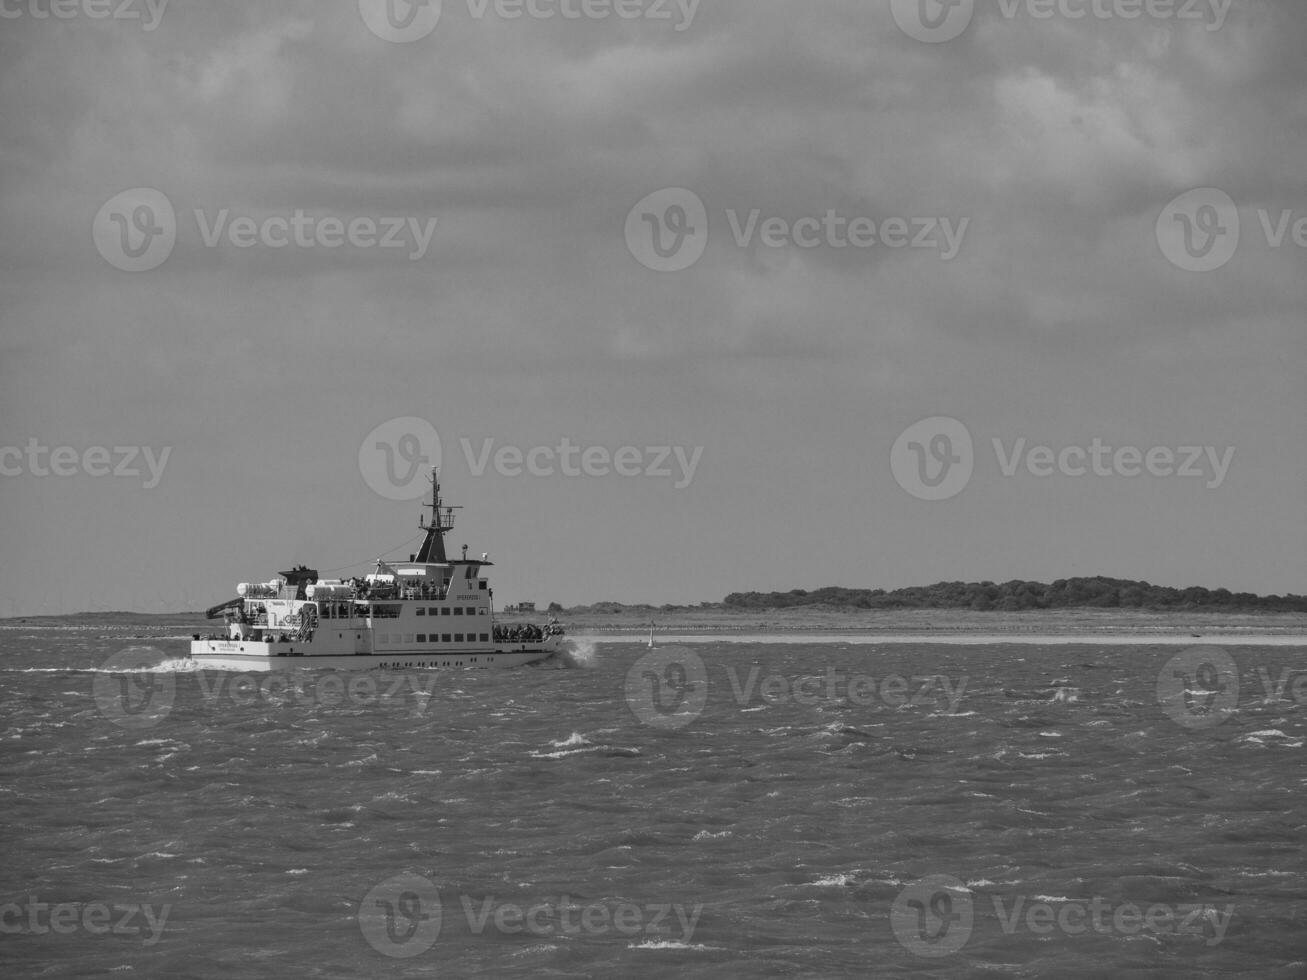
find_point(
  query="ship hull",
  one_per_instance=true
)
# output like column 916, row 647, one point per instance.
column 250, row 657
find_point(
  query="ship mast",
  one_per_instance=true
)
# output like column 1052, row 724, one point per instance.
column 442, row 521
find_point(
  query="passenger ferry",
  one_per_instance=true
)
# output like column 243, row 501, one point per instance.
column 431, row 611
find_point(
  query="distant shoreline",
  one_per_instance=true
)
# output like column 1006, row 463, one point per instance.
column 940, row 623
column 1091, row 624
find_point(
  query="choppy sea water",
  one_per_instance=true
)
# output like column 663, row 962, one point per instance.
column 719, row 810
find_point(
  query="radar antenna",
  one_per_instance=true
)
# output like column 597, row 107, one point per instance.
column 442, row 522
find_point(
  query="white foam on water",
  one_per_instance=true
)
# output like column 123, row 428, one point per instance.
column 576, row 738
column 833, row 881
column 580, row 653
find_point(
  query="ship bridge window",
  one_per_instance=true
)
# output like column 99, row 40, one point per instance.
column 458, row 610
column 422, row 610
column 483, row 585
column 444, row 610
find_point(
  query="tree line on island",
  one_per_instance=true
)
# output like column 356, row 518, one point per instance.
column 1066, row 593
column 1014, row 596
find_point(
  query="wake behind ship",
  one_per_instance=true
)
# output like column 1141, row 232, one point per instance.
column 431, row 611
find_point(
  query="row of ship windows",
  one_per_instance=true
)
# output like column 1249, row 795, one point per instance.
column 454, row 663
column 431, row 638
column 393, row 610
column 331, row 610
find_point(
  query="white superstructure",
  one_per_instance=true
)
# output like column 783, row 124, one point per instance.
column 431, row 611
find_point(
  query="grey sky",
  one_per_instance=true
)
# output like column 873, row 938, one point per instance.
column 1037, row 285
